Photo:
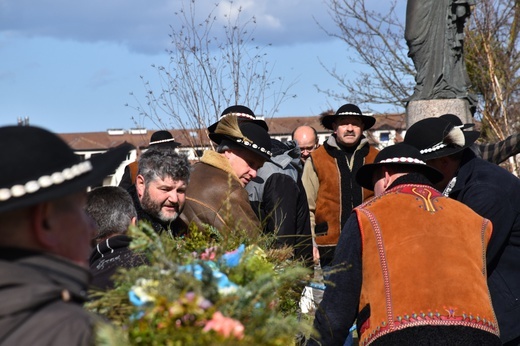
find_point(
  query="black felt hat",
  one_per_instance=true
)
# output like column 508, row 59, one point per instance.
column 455, row 121
column 246, row 134
column 38, row 166
column 242, row 113
column 436, row 137
column 163, row 138
column 347, row 110
column 399, row 154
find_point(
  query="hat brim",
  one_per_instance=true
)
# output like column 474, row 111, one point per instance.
column 102, row 166
column 328, row 120
column 469, row 138
column 218, row 138
column 365, row 174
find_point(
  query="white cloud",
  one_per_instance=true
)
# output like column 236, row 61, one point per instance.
column 144, row 25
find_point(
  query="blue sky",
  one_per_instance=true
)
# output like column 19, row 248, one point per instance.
column 70, row 66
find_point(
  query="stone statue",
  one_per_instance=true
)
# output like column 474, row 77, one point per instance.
column 435, row 34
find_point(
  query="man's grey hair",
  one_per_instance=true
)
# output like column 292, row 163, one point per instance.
column 227, row 145
column 163, row 162
column 112, row 208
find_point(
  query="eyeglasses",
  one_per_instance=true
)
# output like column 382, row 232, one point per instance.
column 309, row 149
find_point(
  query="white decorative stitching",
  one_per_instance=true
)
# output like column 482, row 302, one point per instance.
column 243, row 115
column 45, row 181
column 255, row 146
column 404, row 160
column 349, row 113
column 436, row 147
column 162, row 141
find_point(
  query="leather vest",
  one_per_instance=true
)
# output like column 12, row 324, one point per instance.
column 333, row 207
column 133, row 166
column 423, row 265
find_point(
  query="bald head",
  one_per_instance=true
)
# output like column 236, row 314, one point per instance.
column 307, row 140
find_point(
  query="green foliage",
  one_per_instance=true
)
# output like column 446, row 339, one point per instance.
column 192, row 293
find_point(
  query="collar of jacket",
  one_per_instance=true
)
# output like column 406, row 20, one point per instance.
column 217, row 160
column 53, row 273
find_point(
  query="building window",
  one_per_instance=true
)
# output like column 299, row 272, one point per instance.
column 384, row 136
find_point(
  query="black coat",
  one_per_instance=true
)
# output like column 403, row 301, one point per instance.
column 494, row 193
column 108, row 256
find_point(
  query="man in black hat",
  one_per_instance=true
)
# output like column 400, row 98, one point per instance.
column 160, row 138
column 410, row 266
column 216, row 195
column 492, row 192
column 45, row 237
column 328, row 176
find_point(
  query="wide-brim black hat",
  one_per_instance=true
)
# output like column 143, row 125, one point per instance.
column 38, row 166
column 455, row 121
column 163, row 138
column 436, row 137
column 248, row 135
column 347, row 110
column 242, row 113
column 399, row 154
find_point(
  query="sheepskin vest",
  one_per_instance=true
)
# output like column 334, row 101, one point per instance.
column 338, row 191
column 423, row 265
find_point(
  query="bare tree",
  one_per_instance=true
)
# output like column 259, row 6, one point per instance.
column 493, row 63
column 210, row 68
column 375, row 38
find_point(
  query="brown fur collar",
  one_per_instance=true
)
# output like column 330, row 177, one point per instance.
column 218, row 160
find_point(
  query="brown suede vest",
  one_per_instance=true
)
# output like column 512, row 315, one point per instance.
column 328, row 203
column 423, row 260
column 133, row 166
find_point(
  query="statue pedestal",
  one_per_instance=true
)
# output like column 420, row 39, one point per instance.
column 418, row 110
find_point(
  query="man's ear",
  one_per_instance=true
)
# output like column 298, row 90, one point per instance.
column 140, row 185
column 387, row 179
column 41, row 226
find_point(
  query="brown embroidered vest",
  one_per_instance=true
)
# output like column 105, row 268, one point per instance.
column 423, row 260
column 337, row 185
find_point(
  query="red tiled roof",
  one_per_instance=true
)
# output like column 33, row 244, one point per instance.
column 95, row 141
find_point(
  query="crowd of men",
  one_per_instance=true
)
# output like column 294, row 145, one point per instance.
column 419, row 243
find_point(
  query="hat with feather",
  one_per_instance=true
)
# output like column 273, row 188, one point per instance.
column 248, row 135
column 436, row 137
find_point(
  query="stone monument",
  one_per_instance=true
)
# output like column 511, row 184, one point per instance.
column 435, row 36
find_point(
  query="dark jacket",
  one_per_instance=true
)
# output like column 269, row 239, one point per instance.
column 41, row 299
column 108, row 256
column 175, row 228
column 494, row 193
column 278, row 198
column 217, row 198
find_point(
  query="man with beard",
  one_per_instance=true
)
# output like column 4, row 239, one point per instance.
column 159, row 190
column 328, row 176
